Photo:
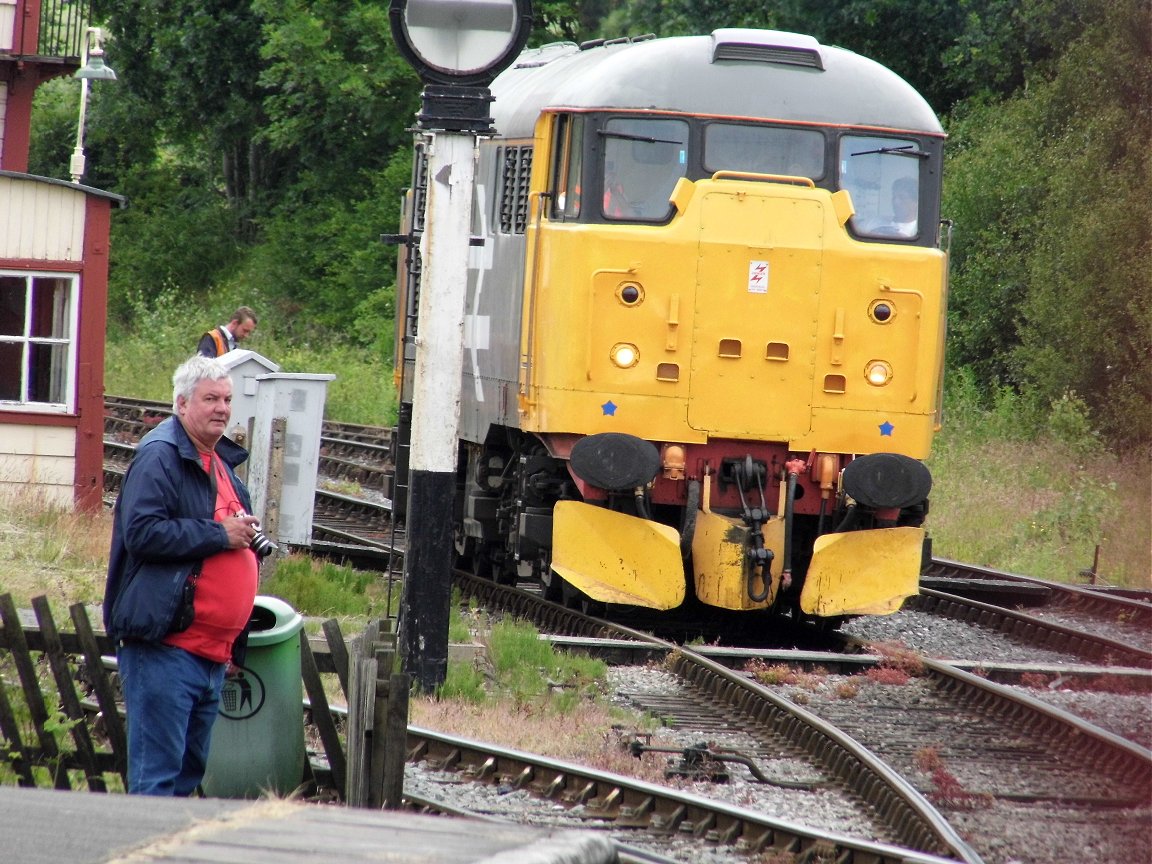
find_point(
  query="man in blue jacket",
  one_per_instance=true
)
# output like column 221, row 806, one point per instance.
column 181, row 580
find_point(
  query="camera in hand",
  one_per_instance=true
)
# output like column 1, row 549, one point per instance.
column 260, row 544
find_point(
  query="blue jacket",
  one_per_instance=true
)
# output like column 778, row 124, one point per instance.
column 162, row 527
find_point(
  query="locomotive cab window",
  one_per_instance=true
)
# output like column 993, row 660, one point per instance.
column 567, row 167
column 883, row 177
column 643, row 159
column 764, row 150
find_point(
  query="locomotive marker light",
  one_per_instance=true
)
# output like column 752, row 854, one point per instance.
column 457, row 47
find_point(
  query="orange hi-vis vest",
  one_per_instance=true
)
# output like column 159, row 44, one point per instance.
column 221, row 348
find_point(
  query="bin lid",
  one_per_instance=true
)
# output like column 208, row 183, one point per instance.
column 273, row 621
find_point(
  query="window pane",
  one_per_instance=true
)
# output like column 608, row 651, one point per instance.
column 883, row 178
column 764, row 150
column 50, row 313
column 11, row 361
column 13, row 294
column 47, row 373
column 36, row 338
column 567, row 179
column 643, row 159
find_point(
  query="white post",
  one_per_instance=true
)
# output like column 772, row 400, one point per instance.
column 429, row 553
column 76, row 167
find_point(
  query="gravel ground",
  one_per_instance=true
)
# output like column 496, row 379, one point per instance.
column 1126, row 715
column 1018, row 833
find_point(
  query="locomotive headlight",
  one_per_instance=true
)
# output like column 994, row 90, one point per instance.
column 878, row 373
column 625, row 355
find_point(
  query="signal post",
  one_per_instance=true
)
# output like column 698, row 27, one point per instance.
column 457, row 47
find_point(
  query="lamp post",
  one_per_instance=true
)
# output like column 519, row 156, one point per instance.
column 456, row 47
column 92, row 69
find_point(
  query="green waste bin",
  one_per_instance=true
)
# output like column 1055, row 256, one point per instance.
column 258, row 740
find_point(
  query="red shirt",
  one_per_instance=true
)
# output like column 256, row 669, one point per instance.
column 225, row 588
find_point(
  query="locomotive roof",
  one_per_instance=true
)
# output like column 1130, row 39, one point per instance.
column 732, row 72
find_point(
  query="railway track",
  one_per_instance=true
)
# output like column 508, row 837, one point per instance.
column 635, row 812
column 993, row 757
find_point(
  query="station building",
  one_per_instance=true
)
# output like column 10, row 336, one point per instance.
column 54, row 238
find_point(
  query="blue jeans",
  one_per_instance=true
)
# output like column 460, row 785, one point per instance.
column 171, row 698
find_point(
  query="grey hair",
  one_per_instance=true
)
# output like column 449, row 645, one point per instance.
column 191, row 372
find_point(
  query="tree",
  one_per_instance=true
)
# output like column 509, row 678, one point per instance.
column 1049, row 191
column 197, row 65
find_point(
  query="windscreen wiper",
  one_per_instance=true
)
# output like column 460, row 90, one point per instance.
column 647, row 139
column 905, row 150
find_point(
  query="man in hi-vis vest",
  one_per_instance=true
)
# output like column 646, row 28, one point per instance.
column 225, row 338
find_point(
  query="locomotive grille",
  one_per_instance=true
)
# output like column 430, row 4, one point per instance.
column 515, row 173
column 769, row 54
column 419, row 187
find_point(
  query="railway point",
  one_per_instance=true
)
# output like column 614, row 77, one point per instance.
column 45, row 826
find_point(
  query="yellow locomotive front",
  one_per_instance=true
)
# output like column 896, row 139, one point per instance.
column 727, row 305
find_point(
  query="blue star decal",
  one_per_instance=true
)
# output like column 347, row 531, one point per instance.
column 886, row 429
column 609, row 408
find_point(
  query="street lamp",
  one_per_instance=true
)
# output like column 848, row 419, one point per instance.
column 457, row 47
column 92, row 69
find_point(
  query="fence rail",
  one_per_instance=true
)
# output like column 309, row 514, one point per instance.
column 61, row 721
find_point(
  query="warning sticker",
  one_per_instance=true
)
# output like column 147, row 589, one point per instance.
column 757, row 277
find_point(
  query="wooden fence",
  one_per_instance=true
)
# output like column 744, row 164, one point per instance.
column 61, row 721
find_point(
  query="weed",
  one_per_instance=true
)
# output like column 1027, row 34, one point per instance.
column 948, row 791
column 342, row 487
column 465, row 682
column 847, row 689
column 774, row 674
column 321, row 588
column 899, row 657
column 1034, row 680
column 775, row 856
column 531, row 672
column 888, row 675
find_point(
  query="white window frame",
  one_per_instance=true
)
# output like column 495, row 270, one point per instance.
column 26, row 341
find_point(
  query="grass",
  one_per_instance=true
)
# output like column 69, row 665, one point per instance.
column 52, row 551
column 1035, row 492
column 167, row 332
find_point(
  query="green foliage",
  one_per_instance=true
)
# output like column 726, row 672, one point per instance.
column 197, row 65
column 56, row 106
column 463, row 681
column 1008, row 415
column 330, row 272
column 459, row 630
column 323, row 589
column 339, row 94
column 1053, row 245
column 177, row 239
column 949, row 51
column 527, row 667
column 166, row 334
column 686, row 17
column 362, row 391
column 1027, row 487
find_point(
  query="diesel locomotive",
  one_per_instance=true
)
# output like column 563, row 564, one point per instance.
column 704, row 326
